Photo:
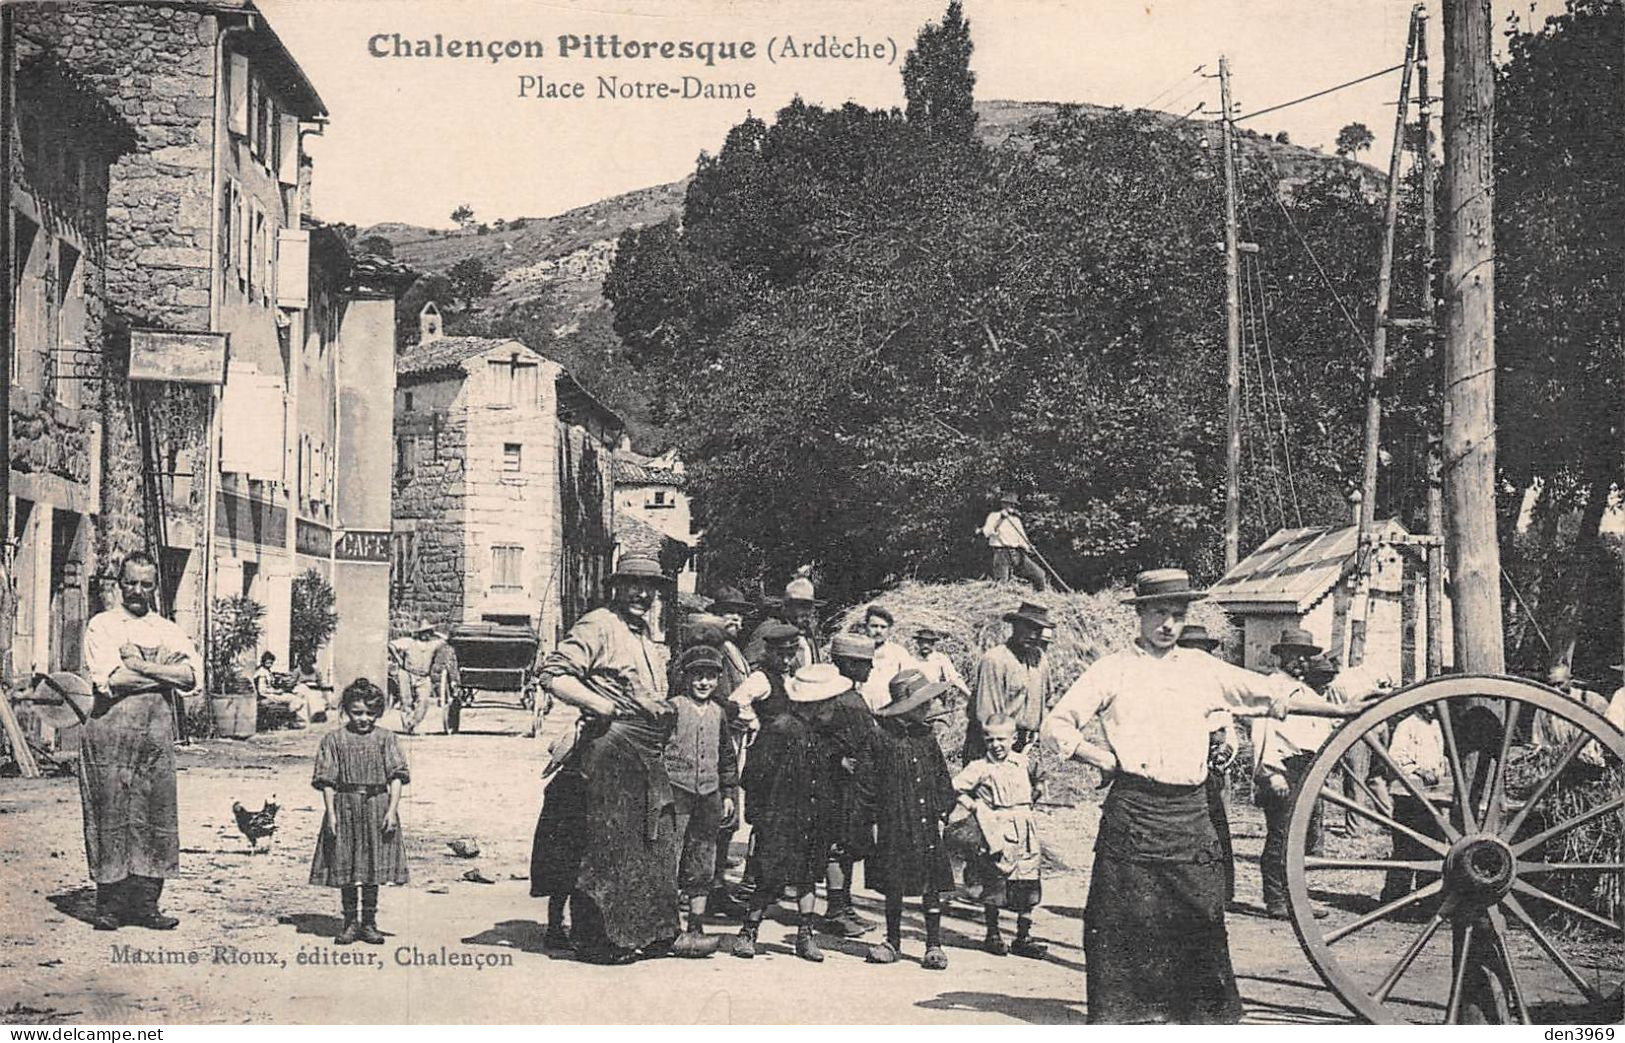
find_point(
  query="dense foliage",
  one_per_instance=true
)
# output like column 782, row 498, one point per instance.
column 865, row 327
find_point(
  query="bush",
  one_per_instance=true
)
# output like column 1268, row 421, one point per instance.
column 313, row 618
column 235, row 627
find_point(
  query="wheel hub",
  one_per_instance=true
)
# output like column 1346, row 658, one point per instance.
column 1480, row 869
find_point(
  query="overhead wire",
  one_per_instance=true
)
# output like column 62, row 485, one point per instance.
column 1251, row 308
column 1177, row 83
column 1319, row 94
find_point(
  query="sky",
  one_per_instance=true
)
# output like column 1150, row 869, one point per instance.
column 411, row 138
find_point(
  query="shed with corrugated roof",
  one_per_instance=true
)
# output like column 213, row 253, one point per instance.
column 1307, row 578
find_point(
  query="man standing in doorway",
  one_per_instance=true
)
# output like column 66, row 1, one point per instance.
column 1007, row 542
column 136, row 662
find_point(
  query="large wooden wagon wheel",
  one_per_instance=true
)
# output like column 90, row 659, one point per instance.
column 1477, row 904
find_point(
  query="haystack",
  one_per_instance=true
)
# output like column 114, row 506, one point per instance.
column 971, row 615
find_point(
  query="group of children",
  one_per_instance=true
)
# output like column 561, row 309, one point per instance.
column 828, row 782
column 832, row 780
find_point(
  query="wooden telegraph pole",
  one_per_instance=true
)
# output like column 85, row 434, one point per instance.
column 1377, row 364
column 1435, row 491
column 1232, row 332
column 1469, row 337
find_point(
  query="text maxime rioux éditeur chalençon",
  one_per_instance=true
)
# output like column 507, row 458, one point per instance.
column 616, row 68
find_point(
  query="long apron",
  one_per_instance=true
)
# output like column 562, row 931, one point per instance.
column 127, row 788
column 607, row 836
column 1154, row 938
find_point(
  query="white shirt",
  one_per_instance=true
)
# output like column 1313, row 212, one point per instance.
column 890, row 660
column 157, row 637
column 1417, row 747
column 1005, row 530
column 755, row 686
column 1274, row 741
column 939, row 669
column 1158, row 710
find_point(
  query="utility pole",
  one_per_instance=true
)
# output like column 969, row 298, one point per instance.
column 1232, row 332
column 1377, row 363
column 1469, row 341
column 1469, row 440
column 1435, row 477
column 8, row 103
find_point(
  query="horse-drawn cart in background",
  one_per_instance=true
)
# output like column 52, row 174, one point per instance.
column 495, row 657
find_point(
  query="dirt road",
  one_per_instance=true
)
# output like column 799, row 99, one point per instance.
column 254, row 944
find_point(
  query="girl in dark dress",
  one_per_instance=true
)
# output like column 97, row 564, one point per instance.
column 915, row 794
column 360, row 770
column 793, row 799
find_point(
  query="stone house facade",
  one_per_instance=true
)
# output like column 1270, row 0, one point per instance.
column 653, row 491
column 502, row 503
column 228, row 481
column 64, row 137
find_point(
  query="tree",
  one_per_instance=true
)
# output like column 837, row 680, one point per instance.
column 312, row 616
column 1560, row 277
column 463, row 216
column 1354, row 139
column 471, row 280
column 376, row 246
column 937, row 80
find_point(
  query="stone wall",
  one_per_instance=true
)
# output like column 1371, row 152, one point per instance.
column 429, row 507
column 155, row 64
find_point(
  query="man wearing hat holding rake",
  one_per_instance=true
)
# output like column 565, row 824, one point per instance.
column 1007, row 541
column 1155, row 943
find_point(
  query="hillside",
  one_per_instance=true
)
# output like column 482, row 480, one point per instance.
column 558, row 263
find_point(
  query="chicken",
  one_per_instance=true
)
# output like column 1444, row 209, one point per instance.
column 256, row 824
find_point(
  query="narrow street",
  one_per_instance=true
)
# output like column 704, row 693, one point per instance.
column 256, row 939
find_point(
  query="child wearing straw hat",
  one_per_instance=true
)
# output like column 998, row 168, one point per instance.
column 916, row 793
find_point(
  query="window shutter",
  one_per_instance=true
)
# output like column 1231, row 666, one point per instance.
column 288, row 151
column 293, row 268
column 237, row 83
column 239, row 216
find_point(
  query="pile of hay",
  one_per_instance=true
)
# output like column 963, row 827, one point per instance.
column 971, row 614
column 1602, row 840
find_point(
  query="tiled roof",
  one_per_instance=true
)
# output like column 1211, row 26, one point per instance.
column 1293, row 569
column 633, row 472
column 448, row 353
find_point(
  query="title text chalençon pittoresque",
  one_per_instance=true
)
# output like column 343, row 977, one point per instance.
column 594, row 46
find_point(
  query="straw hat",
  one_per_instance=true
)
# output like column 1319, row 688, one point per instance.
column 1036, row 615
column 910, row 689
column 852, row 646
column 639, row 566
column 816, row 682
column 1156, row 585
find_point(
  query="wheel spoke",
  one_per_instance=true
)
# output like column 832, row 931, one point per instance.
column 1574, row 823
column 1316, row 862
column 1428, row 842
column 1536, row 868
column 1444, row 825
column 1458, row 775
column 1503, row 942
column 1498, row 782
column 1419, row 895
column 1523, row 917
column 1545, row 784
column 1405, row 961
column 1363, row 786
column 1524, row 887
column 1459, row 975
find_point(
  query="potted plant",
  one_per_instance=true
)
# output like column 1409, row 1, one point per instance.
column 235, row 628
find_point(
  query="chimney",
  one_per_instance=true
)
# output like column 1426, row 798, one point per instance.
column 625, row 444
column 428, row 323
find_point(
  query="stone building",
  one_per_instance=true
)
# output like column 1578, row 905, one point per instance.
column 208, row 247
column 502, row 486
column 64, row 137
column 651, row 492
